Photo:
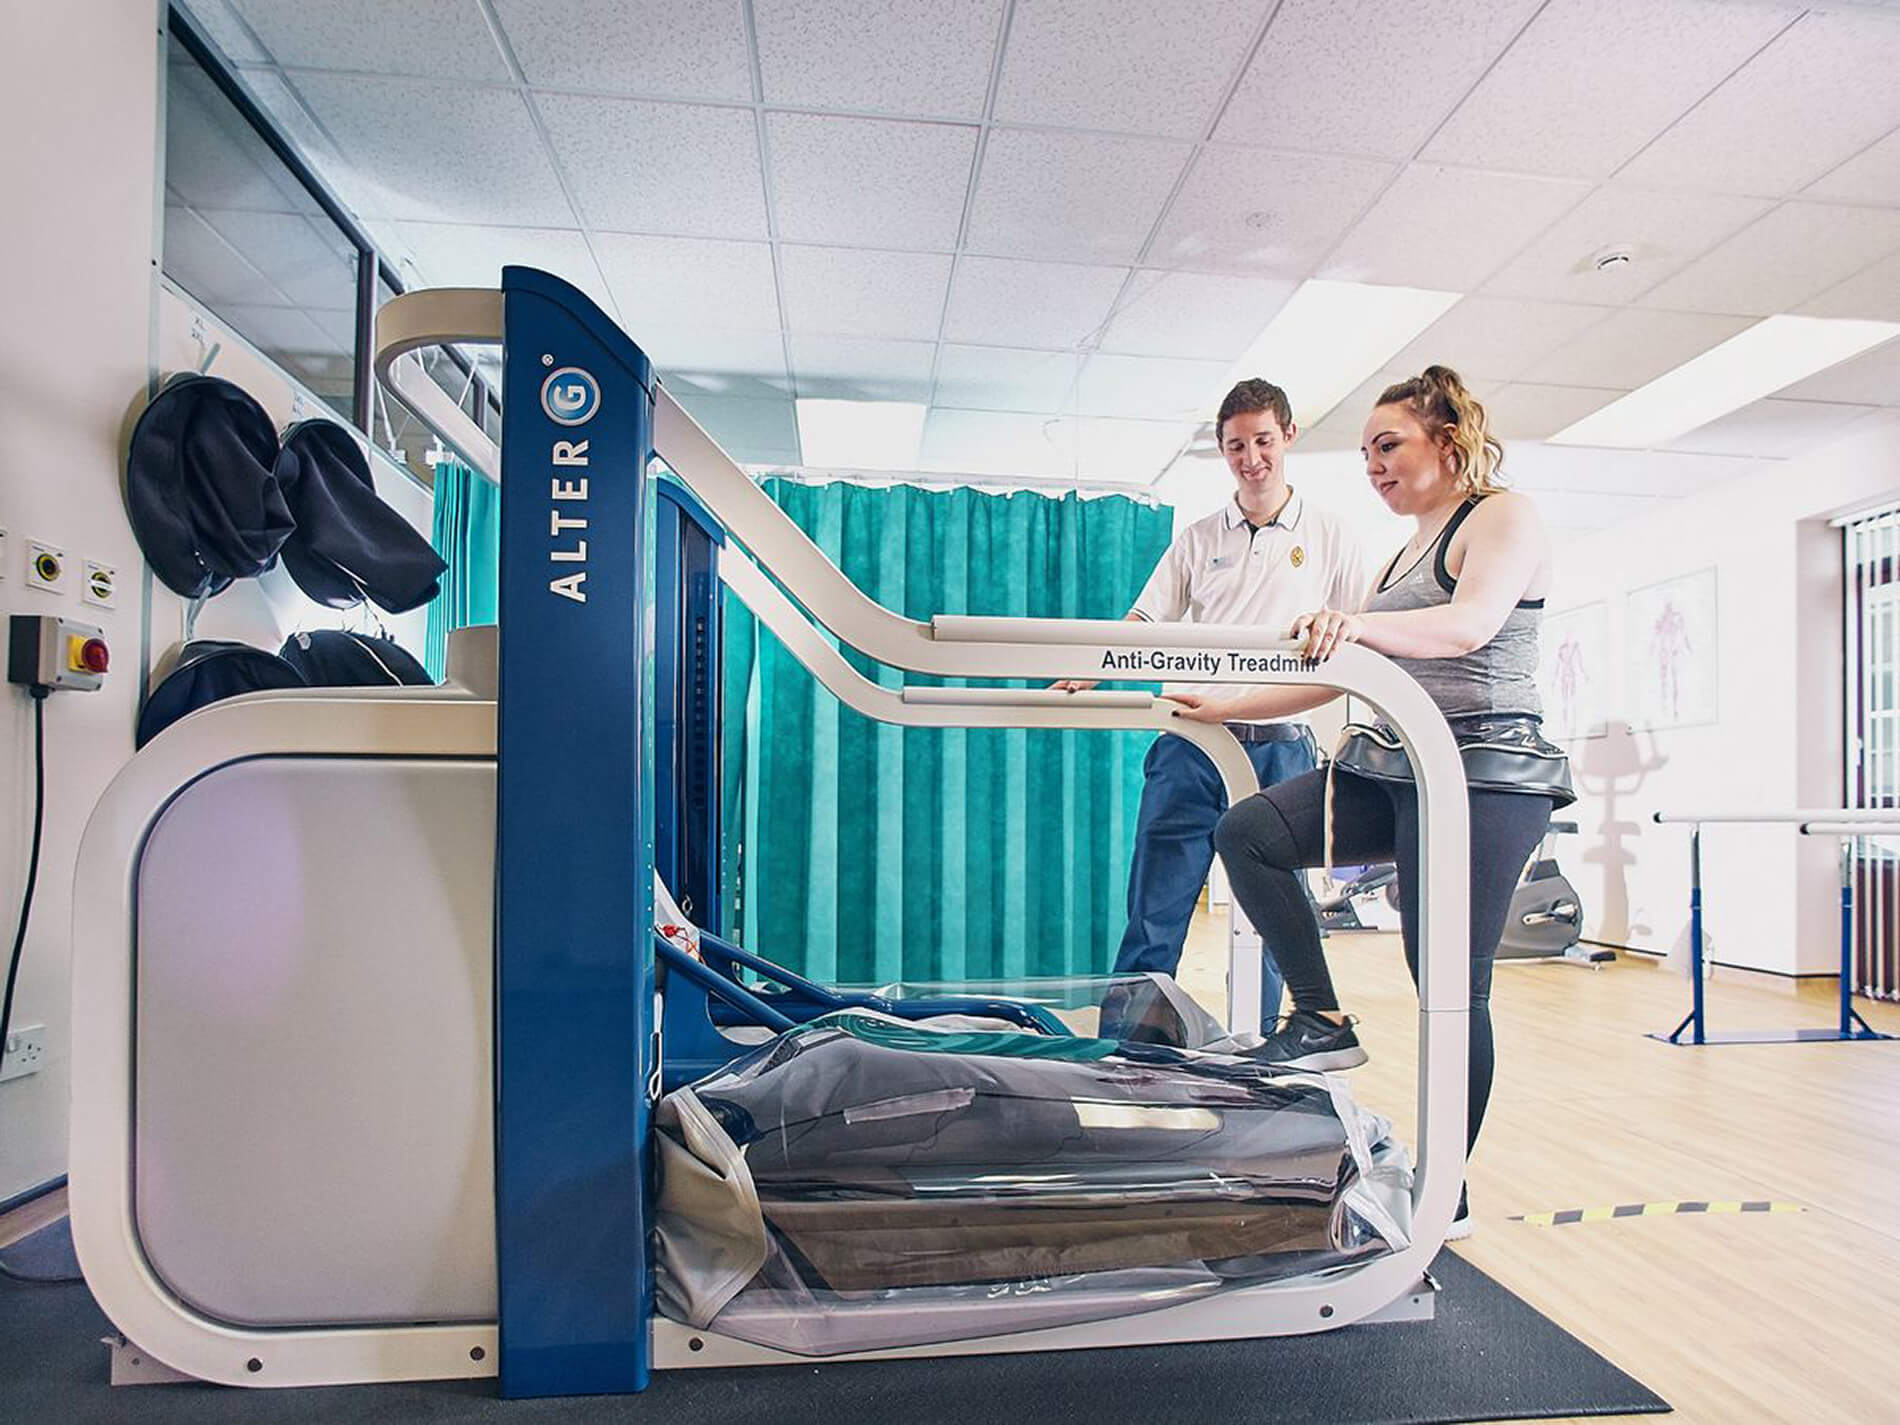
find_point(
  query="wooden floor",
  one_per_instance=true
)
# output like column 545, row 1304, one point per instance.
column 1790, row 1316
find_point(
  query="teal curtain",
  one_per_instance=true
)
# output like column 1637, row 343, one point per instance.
column 858, row 852
column 467, row 534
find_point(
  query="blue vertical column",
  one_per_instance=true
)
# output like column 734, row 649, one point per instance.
column 573, row 875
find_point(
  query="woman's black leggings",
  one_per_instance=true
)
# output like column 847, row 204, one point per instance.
column 1268, row 838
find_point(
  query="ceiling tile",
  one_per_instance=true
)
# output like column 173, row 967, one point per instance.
column 211, row 161
column 1130, row 450
column 683, row 282
column 1145, row 69
column 438, row 152
column 1085, row 448
column 659, row 168
column 1793, row 254
column 751, row 432
column 1448, row 228
column 1773, row 429
column 1265, row 214
column 434, row 39
column 1525, row 411
column 1816, row 96
column 862, row 368
column 843, row 292
column 1661, row 232
column 718, row 361
column 1080, row 197
column 275, row 95
column 454, row 255
column 886, row 56
column 1050, row 306
column 311, row 266
column 1325, row 77
column 1870, row 295
column 994, row 443
column 1633, row 347
column 1494, row 338
column 227, row 33
column 995, row 378
column 1870, row 176
column 869, row 182
column 204, row 264
column 1873, row 295
column 1872, row 378
column 1193, row 315
column 687, row 49
column 1151, row 388
column 280, row 329
column 1541, row 109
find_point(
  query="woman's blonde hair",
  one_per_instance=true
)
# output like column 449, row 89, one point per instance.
column 1437, row 396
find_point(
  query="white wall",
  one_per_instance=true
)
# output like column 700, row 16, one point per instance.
column 1769, row 895
column 78, row 111
column 88, row 331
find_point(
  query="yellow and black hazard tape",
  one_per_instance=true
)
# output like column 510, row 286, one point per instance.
column 1647, row 1209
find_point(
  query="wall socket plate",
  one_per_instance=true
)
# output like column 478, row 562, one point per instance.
column 97, row 584
column 25, row 1052
column 45, row 566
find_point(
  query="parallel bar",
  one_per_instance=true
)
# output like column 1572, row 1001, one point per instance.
column 1777, row 818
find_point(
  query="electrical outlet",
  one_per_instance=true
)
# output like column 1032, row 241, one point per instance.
column 45, row 567
column 97, row 586
column 26, row 1050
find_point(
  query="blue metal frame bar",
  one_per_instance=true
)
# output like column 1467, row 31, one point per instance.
column 573, row 975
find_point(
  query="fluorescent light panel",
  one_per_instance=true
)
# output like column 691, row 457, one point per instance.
column 1331, row 336
column 1775, row 352
column 860, row 435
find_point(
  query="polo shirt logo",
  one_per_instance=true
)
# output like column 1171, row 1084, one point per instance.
column 1297, row 557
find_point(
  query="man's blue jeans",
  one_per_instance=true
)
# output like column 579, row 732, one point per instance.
column 1181, row 800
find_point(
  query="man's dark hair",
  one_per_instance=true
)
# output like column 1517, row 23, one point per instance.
column 1253, row 395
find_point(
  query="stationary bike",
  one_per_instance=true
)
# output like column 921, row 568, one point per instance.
column 1546, row 916
column 1544, row 923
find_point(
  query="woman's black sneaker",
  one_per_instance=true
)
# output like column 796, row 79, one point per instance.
column 1309, row 1041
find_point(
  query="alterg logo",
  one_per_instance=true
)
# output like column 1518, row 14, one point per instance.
column 570, row 396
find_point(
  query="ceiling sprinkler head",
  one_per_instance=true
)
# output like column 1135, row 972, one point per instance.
column 1611, row 258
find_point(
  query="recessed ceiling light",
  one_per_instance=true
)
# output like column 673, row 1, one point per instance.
column 860, row 435
column 1330, row 336
column 1775, row 352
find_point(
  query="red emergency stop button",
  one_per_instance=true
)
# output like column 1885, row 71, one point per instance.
column 94, row 657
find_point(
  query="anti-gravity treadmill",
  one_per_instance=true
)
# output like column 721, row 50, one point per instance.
column 367, row 1030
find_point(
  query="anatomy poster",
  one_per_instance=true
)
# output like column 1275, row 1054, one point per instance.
column 1574, row 672
column 1670, row 644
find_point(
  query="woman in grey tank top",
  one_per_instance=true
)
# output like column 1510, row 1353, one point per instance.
column 1458, row 608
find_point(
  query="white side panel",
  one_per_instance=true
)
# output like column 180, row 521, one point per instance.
column 314, row 943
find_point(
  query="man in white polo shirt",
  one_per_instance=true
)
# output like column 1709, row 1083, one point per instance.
column 1263, row 559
